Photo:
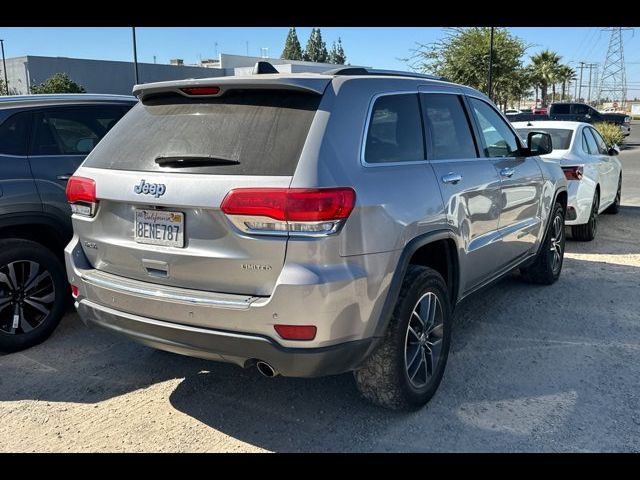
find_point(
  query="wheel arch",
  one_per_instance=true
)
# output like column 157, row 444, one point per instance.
column 38, row 227
column 437, row 250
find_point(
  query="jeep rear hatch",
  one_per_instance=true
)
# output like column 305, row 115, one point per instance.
column 171, row 161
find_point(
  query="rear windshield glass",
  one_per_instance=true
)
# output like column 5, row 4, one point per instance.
column 252, row 132
column 560, row 137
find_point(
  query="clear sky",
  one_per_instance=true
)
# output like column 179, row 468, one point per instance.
column 381, row 47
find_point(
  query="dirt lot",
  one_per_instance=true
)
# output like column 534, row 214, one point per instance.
column 532, row 369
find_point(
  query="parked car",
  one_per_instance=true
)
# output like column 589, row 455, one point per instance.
column 43, row 139
column 539, row 111
column 296, row 222
column 581, row 112
column 575, row 112
column 512, row 111
column 593, row 171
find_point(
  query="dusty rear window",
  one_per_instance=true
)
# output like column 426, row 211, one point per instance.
column 261, row 132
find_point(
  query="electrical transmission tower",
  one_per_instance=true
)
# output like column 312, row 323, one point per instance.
column 613, row 82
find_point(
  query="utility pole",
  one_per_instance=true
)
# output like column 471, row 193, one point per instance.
column 4, row 68
column 490, row 80
column 135, row 55
column 590, row 67
column 247, row 48
column 582, row 64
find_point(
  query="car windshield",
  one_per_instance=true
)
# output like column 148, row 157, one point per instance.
column 560, row 137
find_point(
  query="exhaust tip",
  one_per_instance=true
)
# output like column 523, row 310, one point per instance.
column 265, row 369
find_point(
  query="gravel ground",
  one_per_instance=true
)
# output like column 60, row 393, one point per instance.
column 531, row 369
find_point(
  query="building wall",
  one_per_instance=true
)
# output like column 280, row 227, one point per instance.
column 17, row 75
column 97, row 76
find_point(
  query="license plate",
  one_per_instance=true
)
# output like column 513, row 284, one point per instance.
column 159, row 227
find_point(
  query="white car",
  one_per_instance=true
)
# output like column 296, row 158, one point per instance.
column 593, row 171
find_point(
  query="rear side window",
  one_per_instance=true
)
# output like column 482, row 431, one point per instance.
column 602, row 146
column 447, row 126
column 14, row 134
column 252, row 132
column 580, row 109
column 395, row 130
column 72, row 131
column 591, row 142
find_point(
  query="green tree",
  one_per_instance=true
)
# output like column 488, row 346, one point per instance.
column 3, row 88
column 545, row 66
column 565, row 75
column 58, row 83
column 292, row 49
column 337, row 55
column 462, row 56
column 316, row 49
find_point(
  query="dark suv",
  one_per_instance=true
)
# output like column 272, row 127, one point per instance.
column 43, row 139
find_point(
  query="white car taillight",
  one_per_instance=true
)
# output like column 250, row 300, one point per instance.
column 295, row 211
column 81, row 195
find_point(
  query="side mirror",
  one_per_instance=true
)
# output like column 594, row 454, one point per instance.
column 613, row 150
column 538, row 143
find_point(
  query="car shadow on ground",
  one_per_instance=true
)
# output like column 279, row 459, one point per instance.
column 527, row 371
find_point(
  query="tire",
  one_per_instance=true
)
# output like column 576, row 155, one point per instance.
column 587, row 231
column 385, row 379
column 33, row 293
column 547, row 265
column 615, row 206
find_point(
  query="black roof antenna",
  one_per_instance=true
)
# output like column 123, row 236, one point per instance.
column 264, row 67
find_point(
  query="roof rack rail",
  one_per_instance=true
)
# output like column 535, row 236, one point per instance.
column 373, row 71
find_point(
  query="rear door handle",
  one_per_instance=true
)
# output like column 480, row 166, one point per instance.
column 64, row 177
column 451, row 178
column 507, row 172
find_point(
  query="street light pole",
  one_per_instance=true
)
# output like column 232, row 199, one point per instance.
column 4, row 68
column 135, row 54
column 490, row 80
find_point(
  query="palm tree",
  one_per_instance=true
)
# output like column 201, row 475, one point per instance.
column 545, row 64
column 565, row 75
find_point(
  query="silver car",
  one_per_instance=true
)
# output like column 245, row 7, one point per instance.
column 310, row 224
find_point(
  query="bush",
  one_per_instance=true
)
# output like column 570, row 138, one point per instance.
column 611, row 133
column 58, row 83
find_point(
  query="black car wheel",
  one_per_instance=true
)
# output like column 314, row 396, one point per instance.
column 33, row 293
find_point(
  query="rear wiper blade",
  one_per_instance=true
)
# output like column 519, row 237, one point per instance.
column 188, row 161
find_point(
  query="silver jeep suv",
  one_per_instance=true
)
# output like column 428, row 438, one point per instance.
column 310, row 224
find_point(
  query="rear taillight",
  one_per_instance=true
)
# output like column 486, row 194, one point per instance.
column 81, row 194
column 74, row 291
column 289, row 210
column 573, row 173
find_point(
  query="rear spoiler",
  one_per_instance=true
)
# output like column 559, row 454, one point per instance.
column 316, row 85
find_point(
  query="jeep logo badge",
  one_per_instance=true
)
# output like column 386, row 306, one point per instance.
column 155, row 189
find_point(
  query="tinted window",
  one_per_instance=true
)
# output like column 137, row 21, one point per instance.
column 560, row 137
column 499, row 140
column 602, row 146
column 263, row 131
column 14, row 134
column 448, row 131
column 72, row 131
column 585, row 145
column 591, row 142
column 561, row 109
column 395, row 130
column 580, row 109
